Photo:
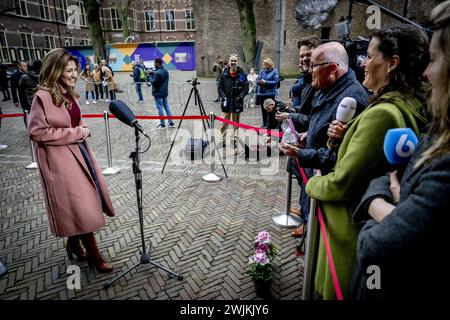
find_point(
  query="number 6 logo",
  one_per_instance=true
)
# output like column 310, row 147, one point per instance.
column 402, row 142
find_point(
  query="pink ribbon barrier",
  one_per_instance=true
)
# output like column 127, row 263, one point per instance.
column 274, row 133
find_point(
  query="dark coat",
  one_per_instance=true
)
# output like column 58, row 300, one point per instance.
column 296, row 91
column 15, row 78
column 3, row 77
column 409, row 244
column 160, row 82
column 232, row 90
column 27, row 87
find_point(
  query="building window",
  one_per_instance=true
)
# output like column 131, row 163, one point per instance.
column 4, row 53
column 21, row 8
column 61, row 7
column 28, row 46
column 68, row 42
column 84, row 42
column 115, row 21
column 50, row 42
column 170, row 19
column 150, row 20
column 44, row 10
column 133, row 21
column 190, row 25
column 80, row 4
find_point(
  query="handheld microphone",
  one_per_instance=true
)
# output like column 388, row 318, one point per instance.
column 345, row 112
column 124, row 114
column 399, row 145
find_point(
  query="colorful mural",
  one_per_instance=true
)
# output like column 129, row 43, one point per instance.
column 176, row 55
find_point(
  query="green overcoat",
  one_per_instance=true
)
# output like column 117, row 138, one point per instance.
column 360, row 159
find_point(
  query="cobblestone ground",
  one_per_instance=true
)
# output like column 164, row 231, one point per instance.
column 204, row 231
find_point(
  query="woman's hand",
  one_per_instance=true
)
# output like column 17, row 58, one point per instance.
column 380, row 209
column 337, row 130
column 394, row 187
column 262, row 81
column 289, row 150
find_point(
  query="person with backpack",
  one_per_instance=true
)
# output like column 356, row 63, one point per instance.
column 138, row 77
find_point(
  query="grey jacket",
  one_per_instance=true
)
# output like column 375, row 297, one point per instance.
column 409, row 244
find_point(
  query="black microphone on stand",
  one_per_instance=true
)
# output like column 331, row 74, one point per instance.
column 124, row 114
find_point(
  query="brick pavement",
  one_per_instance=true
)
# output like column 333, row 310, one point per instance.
column 202, row 231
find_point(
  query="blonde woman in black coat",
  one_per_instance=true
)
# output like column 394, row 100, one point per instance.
column 400, row 249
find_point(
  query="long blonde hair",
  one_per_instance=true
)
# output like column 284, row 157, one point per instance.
column 54, row 64
column 439, row 102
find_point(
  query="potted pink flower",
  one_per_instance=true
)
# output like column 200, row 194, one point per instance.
column 261, row 264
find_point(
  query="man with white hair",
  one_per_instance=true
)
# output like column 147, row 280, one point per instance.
column 335, row 81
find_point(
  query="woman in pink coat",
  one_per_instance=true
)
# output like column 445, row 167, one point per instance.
column 76, row 194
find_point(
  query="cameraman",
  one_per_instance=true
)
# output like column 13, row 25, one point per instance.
column 233, row 87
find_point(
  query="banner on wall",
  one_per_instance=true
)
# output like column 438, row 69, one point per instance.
column 176, row 55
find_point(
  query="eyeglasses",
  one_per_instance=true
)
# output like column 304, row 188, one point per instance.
column 311, row 66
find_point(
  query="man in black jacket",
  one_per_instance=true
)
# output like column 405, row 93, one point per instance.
column 233, row 87
column 15, row 78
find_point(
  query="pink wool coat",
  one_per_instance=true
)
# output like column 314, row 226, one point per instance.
column 72, row 202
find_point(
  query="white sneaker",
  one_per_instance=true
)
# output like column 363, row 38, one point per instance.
column 106, row 100
column 93, row 101
column 87, row 102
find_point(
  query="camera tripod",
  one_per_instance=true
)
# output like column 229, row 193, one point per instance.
column 198, row 102
column 145, row 257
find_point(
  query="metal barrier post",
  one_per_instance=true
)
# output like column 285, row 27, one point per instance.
column 287, row 220
column 33, row 164
column 312, row 241
column 110, row 170
column 212, row 176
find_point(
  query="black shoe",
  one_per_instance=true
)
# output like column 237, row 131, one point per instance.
column 217, row 100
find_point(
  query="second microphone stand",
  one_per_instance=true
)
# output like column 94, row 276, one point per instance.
column 145, row 256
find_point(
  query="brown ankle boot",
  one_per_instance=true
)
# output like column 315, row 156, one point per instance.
column 73, row 248
column 93, row 256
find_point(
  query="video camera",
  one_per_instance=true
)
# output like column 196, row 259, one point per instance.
column 194, row 81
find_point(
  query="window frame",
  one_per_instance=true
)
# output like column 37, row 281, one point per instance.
column 168, row 20
column 148, row 22
column 80, row 4
column 30, row 50
column 189, row 19
column 116, row 18
column 24, row 3
column 62, row 8
column 52, row 41
column 44, row 10
column 4, row 48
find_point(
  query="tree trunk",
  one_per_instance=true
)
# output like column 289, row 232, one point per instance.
column 122, row 10
column 248, row 30
column 95, row 29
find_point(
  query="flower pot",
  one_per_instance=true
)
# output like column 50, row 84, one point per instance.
column 262, row 288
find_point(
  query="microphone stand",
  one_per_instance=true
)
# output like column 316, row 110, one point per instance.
column 145, row 257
